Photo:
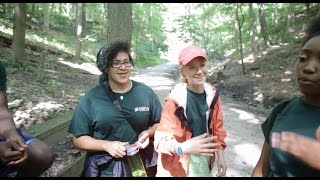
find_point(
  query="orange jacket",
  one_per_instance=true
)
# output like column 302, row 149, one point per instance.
column 173, row 128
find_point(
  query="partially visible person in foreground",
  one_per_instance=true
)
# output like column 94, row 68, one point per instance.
column 21, row 154
column 291, row 126
column 190, row 135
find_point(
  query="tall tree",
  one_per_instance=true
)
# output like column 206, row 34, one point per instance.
column 19, row 27
column 263, row 24
column 46, row 15
column 119, row 22
column 60, row 8
column 80, row 25
column 253, row 30
column 240, row 23
column 290, row 16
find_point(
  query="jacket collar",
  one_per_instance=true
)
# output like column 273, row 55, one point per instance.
column 179, row 94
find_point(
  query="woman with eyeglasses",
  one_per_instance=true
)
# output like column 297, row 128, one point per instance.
column 104, row 129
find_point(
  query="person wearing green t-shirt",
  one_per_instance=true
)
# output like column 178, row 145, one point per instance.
column 21, row 154
column 291, row 148
column 100, row 128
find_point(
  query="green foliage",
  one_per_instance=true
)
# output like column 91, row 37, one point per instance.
column 148, row 34
column 210, row 25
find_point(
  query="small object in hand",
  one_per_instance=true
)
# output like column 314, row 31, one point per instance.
column 132, row 149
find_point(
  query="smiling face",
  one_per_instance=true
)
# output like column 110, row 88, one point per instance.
column 120, row 75
column 195, row 72
column 308, row 67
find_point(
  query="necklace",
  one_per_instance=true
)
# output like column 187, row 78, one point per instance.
column 122, row 92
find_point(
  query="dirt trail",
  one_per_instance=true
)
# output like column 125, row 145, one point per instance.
column 244, row 136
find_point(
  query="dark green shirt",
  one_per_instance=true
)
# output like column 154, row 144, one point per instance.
column 3, row 77
column 297, row 117
column 96, row 116
column 196, row 112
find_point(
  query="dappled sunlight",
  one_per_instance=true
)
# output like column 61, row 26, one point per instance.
column 243, row 115
column 288, row 72
column 7, row 30
column 286, row 79
column 256, row 75
column 47, row 105
column 259, row 96
column 244, row 140
column 242, row 151
column 89, row 67
column 45, row 108
column 248, row 59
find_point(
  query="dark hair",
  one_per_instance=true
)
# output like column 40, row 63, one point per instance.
column 312, row 31
column 107, row 53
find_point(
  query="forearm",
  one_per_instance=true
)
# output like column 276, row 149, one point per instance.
column 7, row 125
column 152, row 130
column 90, row 144
column 220, row 154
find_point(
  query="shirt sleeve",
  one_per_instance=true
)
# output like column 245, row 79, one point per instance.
column 267, row 125
column 156, row 110
column 80, row 122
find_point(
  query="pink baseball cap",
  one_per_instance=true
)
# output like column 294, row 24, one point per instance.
column 189, row 53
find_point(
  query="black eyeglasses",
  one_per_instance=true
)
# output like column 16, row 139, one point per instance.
column 118, row 64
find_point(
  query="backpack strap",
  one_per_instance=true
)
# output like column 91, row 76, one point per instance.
column 111, row 95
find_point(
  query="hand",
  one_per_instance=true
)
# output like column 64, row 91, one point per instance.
column 13, row 136
column 222, row 167
column 10, row 152
column 143, row 139
column 302, row 147
column 116, row 148
column 200, row 145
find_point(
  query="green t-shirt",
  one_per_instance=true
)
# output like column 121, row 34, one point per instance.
column 297, row 117
column 96, row 116
column 196, row 112
column 3, row 77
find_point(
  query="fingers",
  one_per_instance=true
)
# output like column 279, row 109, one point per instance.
column 210, row 146
column 205, row 139
column 21, row 160
column 118, row 149
column 144, row 144
column 221, row 172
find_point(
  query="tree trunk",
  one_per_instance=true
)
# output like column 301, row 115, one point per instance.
column 46, row 15
column 19, row 27
column 52, row 8
column 308, row 8
column 79, row 28
column 68, row 9
column 239, row 23
column 33, row 7
column 60, row 8
column 105, row 8
column 119, row 22
column 263, row 24
column 253, row 30
column 290, row 17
